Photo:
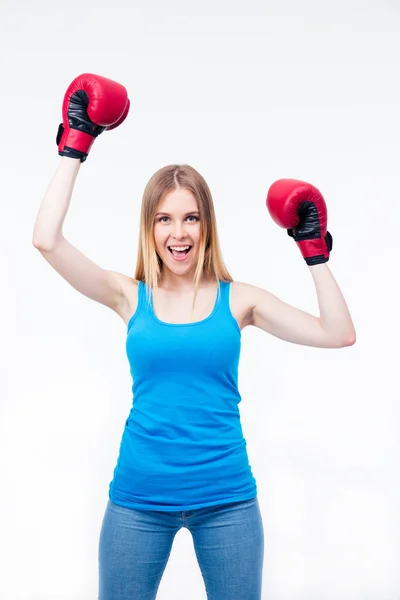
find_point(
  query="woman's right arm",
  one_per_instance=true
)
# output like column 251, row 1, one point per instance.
column 103, row 286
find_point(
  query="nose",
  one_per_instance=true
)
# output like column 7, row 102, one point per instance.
column 179, row 232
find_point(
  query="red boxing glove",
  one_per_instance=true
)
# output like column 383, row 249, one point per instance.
column 300, row 208
column 92, row 103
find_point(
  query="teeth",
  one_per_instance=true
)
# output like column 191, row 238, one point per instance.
column 179, row 248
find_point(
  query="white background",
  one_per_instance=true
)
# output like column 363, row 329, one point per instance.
column 245, row 92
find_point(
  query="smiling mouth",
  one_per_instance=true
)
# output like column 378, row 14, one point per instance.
column 178, row 253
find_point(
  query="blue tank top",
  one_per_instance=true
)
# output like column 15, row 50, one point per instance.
column 182, row 446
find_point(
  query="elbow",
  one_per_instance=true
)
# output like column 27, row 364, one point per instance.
column 39, row 245
column 43, row 244
column 341, row 342
column 37, row 240
column 350, row 340
column 341, row 339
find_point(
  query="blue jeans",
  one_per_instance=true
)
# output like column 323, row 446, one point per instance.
column 135, row 545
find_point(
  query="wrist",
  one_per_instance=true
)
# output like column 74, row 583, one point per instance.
column 72, row 164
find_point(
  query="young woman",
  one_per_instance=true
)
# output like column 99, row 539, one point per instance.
column 183, row 459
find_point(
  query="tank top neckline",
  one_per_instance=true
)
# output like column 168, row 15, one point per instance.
column 214, row 310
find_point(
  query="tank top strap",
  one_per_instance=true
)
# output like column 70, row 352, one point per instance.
column 144, row 303
column 142, row 300
column 224, row 297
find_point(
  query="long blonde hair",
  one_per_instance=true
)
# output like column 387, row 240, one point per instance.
column 210, row 262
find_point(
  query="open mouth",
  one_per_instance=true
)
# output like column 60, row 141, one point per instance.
column 180, row 254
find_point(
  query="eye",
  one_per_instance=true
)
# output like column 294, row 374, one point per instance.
column 188, row 217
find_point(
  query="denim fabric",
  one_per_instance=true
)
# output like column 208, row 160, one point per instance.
column 134, row 547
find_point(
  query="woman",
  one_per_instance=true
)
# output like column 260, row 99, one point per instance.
column 183, row 460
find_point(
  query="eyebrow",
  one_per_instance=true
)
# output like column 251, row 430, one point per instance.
column 192, row 212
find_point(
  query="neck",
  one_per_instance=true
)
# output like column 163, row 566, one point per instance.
column 183, row 286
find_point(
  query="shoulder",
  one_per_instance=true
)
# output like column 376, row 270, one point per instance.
column 128, row 296
column 259, row 303
column 244, row 290
column 245, row 296
column 126, row 283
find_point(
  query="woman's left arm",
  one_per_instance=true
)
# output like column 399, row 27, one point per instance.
column 332, row 329
column 300, row 208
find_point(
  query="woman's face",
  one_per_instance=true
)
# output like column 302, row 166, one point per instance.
column 177, row 223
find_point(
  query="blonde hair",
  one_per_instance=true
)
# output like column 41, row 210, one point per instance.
column 149, row 264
